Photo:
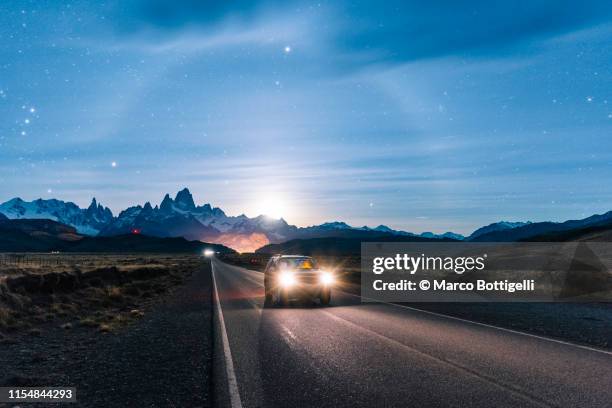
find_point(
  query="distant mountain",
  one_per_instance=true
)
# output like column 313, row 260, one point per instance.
column 34, row 235
column 89, row 221
column 336, row 246
column 31, row 235
column 497, row 226
column 337, row 225
column 182, row 217
column 40, row 228
column 535, row 229
column 600, row 232
column 141, row 243
column 446, row 235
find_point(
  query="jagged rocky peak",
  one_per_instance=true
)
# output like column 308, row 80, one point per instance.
column 166, row 204
column 94, row 207
column 98, row 211
column 184, row 200
column 130, row 212
column 217, row 212
column 205, row 209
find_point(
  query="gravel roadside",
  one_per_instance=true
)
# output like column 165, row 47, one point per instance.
column 161, row 360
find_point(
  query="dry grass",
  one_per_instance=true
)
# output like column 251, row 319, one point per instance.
column 114, row 293
column 34, row 332
column 105, row 328
column 88, row 322
column 5, row 316
column 35, row 263
column 104, row 292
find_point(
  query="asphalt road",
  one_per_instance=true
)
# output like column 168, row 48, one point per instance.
column 355, row 354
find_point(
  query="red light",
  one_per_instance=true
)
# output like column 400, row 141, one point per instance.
column 135, row 231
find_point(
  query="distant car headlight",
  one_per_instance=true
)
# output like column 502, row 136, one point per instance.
column 326, row 278
column 209, row 252
column 287, row 279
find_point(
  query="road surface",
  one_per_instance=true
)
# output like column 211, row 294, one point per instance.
column 355, row 354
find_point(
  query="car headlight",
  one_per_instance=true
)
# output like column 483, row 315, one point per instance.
column 286, row 279
column 326, row 278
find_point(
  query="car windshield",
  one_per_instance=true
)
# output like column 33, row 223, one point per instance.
column 297, row 263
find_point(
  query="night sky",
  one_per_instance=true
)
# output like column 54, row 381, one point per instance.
column 436, row 117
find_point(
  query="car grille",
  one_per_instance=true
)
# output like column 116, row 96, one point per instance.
column 309, row 278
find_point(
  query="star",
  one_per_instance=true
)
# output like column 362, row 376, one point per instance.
column 32, row 110
column 287, row 49
column 114, row 164
column 589, row 99
column 27, row 121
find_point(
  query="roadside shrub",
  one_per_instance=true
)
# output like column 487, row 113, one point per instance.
column 5, row 316
column 88, row 322
column 35, row 332
column 105, row 328
column 114, row 293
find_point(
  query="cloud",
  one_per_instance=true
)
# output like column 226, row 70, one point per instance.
column 185, row 27
column 412, row 30
column 361, row 32
column 177, row 14
column 191, row 40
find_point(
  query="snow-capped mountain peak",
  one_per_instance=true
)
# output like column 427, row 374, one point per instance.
column 334, row 225
column 87, row 221
column 182, row 217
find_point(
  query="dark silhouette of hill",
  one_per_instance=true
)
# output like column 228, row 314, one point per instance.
column 27, row 235
column 599, row 233
column 338, row 246
column 530, row 231
column 142, row 243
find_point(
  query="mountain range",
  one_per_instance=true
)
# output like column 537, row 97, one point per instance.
column 43, row 235
column 88, row 221
column 181, row 217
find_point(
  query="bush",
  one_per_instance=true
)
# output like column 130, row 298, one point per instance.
column 5, row 316
column 114, row 293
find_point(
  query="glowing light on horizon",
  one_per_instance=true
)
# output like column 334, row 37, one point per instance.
column 272, row 206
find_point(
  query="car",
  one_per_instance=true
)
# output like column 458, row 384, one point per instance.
column 296, row 277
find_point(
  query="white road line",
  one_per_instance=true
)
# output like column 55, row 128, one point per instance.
column 566, row 343
column 483, row 377
column 232, row 382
